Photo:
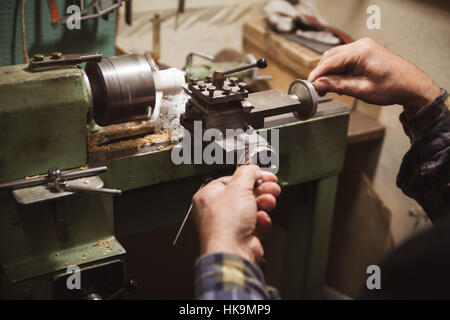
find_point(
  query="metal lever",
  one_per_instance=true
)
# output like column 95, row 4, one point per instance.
column 59, row 183
column 25, row 183
column 260, row 63
column 219, row 76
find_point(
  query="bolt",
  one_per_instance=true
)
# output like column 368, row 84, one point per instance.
column 226, row 90
column 208, row 78
column 57, row 55
column 201, row 86
column 38, row 57
column 193, row 80
column 211, row 90
column 233, row 81
column 242, row 86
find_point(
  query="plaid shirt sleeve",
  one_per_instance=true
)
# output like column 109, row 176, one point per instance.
column 224, row 276
column 425, row 171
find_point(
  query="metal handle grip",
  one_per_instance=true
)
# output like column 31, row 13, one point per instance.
column 76, row 188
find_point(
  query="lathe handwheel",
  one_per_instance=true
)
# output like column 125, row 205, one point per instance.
column 307, row 95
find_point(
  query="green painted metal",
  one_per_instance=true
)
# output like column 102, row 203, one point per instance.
column 309, row 229
column 46, row 127
column 311, row 157
column 308, row 150
column 320, row 236
column 94, row 36
column 30, row 252
column 43, row 117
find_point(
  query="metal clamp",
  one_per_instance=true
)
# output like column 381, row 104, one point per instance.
column 59, row 60
column 57, row 184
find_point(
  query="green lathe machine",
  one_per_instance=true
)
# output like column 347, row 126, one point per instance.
column 68, row 195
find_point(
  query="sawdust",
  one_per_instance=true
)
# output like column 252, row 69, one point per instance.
column 153, row 137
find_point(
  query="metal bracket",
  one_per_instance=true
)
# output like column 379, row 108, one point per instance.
column 57, row 184
column 59, row 60
column 36, row 194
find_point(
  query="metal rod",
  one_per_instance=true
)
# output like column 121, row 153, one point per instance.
column 261, row 63
column 83, row 173
column 182, row 224
column 71, row 187
column 22, row 183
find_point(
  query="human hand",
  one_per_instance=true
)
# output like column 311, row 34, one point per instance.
column 231, row 214
column 367, row 71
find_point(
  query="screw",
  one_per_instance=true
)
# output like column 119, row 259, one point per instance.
column 242, row 86
column 38, row 57
column 201, row 86
column 233, row 81
column 211, row 90
column 208, row 78
column 226, row 90
column 57, row 55
column 193, row 80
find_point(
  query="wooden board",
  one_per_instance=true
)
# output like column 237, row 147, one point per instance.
column 287, row 60
column 293, row 56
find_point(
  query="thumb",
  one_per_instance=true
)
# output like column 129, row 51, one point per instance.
column 246, row 176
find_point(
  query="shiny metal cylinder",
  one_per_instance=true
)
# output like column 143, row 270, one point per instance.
column 123, row 89
column 305, row 92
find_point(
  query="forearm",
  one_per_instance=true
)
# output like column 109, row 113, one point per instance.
column 224, row 276
column 425, row 171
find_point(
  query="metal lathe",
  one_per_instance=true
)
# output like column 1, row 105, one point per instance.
column 70, row 190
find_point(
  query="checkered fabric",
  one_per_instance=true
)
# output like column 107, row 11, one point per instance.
column 224, row 276
column 425, row 171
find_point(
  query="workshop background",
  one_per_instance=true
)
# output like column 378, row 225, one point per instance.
column 371, row 214
column 416, row 30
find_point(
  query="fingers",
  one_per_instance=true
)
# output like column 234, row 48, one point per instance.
column 268, row 187
column 344, row 84
column 335, row 64
column 267, row 176
column 246, row 176
column 266, row 202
